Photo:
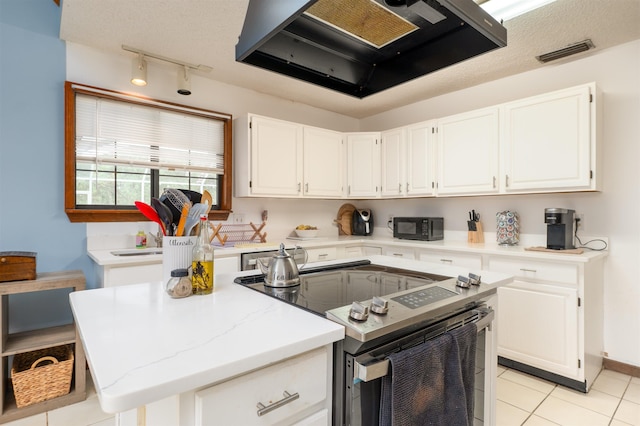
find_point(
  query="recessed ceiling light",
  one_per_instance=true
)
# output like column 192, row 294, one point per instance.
column 503, row 10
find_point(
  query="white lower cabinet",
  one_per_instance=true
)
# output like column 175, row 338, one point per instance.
column 114, row 275
column 471, row 261
column 281, row 393
column 322, row 254
column 538, row 326
column 403, row 252
column 550, row 320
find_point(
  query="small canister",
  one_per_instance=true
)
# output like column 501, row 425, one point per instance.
column 179, row 285
column 508, row 228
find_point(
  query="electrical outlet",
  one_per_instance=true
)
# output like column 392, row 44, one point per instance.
column 580, row 218
column 238, row 218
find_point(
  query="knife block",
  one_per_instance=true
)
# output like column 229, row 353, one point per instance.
column 476, row 236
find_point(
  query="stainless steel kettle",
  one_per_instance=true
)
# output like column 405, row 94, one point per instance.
column 282, row 270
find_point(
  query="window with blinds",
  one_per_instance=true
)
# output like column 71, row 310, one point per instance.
column 126, row 149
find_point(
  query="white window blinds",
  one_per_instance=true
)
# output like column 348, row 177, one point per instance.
column 113, row 132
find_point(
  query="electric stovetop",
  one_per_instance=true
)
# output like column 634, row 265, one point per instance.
column 331, row 287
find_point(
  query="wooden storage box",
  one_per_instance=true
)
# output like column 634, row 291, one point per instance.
column 17, row 265
column 41, row 375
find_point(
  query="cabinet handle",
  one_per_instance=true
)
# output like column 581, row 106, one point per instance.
column 506, row 181
column 407, row 187
column 262, row 409
column 298, row 186
column 433, row 184
column 399, row 188
column 306, row 187
column 323, row 255
column 528, row 270
column 494, row 181
column 446, row 260
column 398, row 254
column 349, row 190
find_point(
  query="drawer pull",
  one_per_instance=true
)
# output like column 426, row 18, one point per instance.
column 446, row 260
column 398, row 254
column 323, row 255
column 528, row 270
column 262, row 410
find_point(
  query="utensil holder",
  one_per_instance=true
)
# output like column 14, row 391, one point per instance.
column 476, row 236
column 176, row 254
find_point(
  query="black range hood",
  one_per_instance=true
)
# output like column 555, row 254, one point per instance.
column 362, row 47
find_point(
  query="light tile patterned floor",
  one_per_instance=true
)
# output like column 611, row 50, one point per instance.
column 614, row 399
column 523, row 400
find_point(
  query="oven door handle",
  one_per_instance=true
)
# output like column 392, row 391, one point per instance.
column 376, row 370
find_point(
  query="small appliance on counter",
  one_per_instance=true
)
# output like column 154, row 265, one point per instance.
column 418, row 228
column 362, row 223
column 560, row 228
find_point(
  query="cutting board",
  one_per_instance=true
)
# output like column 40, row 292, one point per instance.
column 345, row 218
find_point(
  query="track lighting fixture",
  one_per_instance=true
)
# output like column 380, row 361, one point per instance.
column 139, row 71
column 184, row 81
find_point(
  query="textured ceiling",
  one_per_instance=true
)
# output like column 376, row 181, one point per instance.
column 206, row 32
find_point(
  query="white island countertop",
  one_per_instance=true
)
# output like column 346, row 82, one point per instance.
column 143, row 346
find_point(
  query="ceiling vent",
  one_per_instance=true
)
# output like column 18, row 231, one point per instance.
column 362, row 47
column 579, row 47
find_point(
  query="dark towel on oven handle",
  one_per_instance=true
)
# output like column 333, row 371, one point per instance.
column 432, row 383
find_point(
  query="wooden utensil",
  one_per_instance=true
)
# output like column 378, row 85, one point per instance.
column 151, row 214
column 206, row 197
column 345, row 218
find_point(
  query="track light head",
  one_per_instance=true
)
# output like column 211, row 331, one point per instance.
column 184, row 81
column 139, row 71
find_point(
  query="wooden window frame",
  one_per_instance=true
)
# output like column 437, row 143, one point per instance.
column 114, row 215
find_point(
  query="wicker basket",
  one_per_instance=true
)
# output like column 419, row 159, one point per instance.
column 41, row 375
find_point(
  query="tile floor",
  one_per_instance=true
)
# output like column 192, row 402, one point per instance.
column 614, row 400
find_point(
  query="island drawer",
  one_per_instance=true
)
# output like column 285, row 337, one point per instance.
column 236, row 401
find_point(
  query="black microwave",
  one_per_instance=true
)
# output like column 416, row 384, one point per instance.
column 418, row 228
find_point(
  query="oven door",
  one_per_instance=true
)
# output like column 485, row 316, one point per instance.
column 363, row 373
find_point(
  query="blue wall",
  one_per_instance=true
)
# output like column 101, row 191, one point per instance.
column 32, row 218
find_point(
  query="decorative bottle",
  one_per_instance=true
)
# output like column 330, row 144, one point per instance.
column 202, row 261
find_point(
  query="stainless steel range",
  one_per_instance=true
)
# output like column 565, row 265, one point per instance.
column 386, row 310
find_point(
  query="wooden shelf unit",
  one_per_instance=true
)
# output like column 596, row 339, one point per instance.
column 14, row 343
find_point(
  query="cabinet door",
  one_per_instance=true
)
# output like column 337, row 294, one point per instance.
column 420, row 153
column 324, row 163
column 547, row 141
column 468, row 153
column 276, row 157
column 393, row 163
column 363, row 169
column 538, row 326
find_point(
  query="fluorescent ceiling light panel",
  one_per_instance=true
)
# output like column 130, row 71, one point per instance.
column 503, row 10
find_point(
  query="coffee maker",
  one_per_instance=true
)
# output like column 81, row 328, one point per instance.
column 560, row 228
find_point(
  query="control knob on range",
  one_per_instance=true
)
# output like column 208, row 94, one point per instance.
column 359, row 312
column 379, row 306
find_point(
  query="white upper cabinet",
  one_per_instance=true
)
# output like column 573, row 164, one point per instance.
column 549, row 142
column 468, row 153
column 408, row 161
column 267, row 157
column 363, row 165
column 421, row 159
column 276, row 158
column 394, row 160
column 324, row 163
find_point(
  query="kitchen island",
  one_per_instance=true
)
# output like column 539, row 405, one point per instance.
column 144, row 346
column 174, row 356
